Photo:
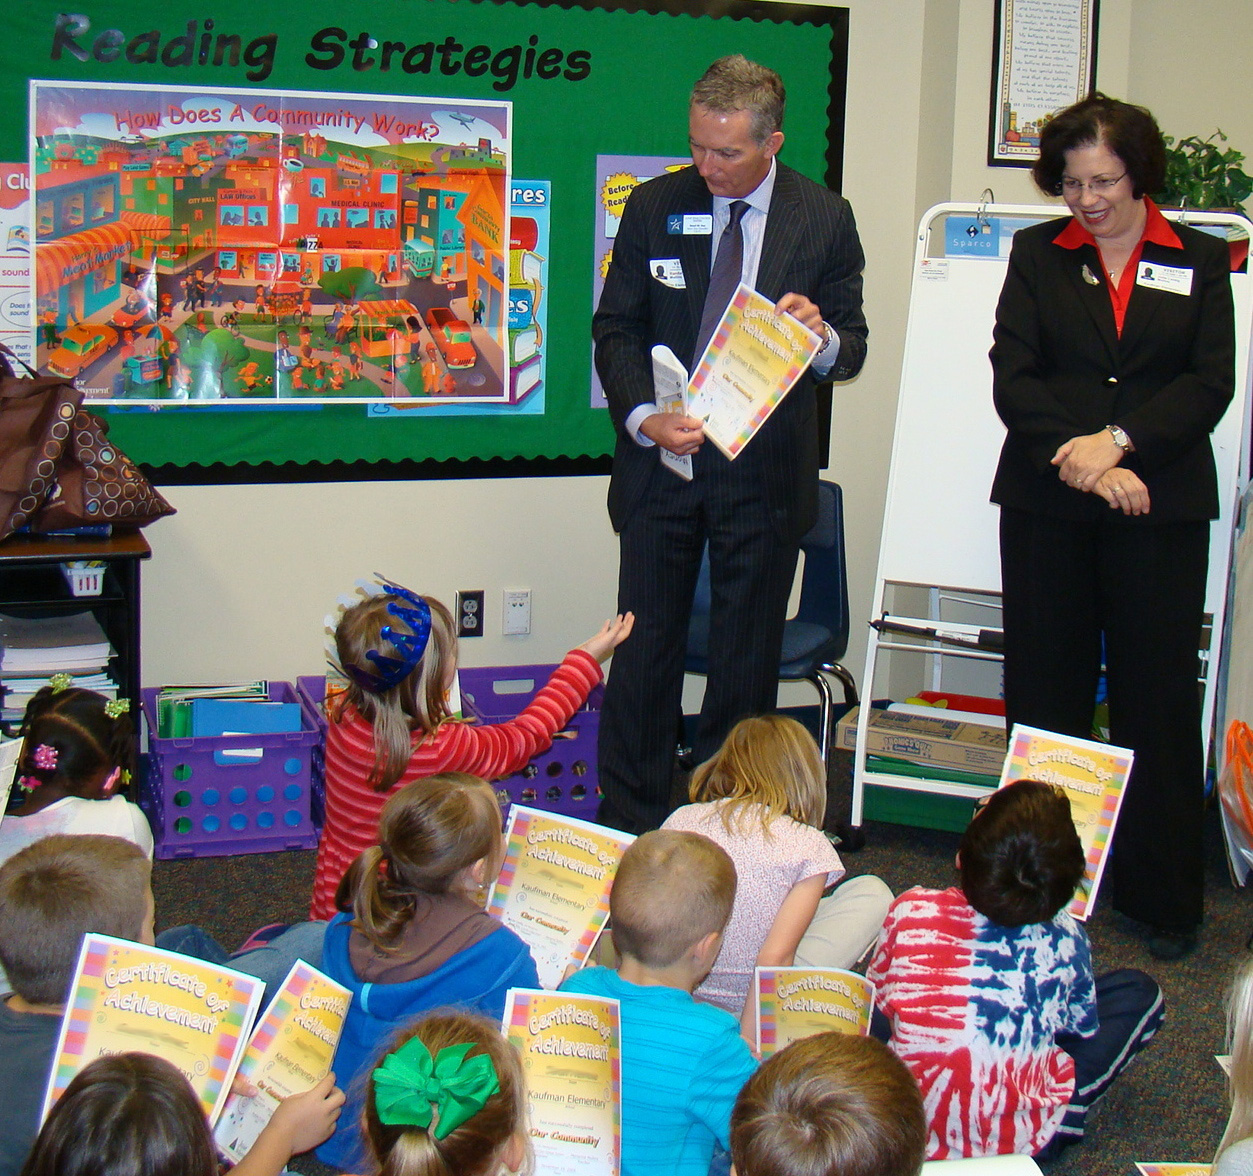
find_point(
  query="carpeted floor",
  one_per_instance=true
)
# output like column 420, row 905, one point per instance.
column 1170, row 1105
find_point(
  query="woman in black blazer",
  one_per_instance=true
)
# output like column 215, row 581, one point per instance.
column 1113, row 359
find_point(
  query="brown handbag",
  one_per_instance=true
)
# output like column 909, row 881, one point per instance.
column 58, row 469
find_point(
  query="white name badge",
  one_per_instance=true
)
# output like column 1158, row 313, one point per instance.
column 1171, row 278
column 690, row 224
column 668, row 271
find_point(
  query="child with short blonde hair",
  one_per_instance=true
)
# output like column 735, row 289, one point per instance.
column 1234, row 1156
column 762, row 797
column 683, row 1061
column 392, row 725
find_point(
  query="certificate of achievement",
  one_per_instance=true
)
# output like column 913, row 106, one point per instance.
column 290, row 1051
column 1093, row 776
column 1164, row 1168
column 798, row 1002
column 129, row 998
column 752, row 360
column 553, row 889
column 571, row 1054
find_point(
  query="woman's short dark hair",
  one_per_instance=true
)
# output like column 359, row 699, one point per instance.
column 126, row 1115
column 1020, row 858
column 1130, row 132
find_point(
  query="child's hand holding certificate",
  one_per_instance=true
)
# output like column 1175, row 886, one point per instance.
column 290, row 1051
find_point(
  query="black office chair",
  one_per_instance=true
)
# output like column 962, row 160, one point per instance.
column 817, row 637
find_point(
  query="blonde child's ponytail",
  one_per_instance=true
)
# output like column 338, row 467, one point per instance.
column 431, row 832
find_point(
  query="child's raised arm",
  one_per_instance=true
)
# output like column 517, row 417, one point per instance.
column 786, row 932
column 612, row 634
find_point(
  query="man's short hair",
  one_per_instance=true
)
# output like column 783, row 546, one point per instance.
column 55, row 891
column 734, row 83
column 671, row 890
column 1020, row 858
column 830, row 1105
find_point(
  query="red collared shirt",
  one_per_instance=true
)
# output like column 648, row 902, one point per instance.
column 1156, row 229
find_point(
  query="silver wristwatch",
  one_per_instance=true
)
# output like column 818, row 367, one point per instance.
column 1120, row 438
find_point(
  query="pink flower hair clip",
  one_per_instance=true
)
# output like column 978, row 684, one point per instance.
column 45, row 757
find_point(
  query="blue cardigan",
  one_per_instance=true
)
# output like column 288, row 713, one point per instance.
column 476, row 980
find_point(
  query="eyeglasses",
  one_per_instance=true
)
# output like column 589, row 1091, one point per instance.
column 1098, row 187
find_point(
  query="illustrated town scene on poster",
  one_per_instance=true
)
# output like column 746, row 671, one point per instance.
column 195, row 244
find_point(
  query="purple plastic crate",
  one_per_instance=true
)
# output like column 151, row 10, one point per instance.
column 200, row 806
column 562, row 780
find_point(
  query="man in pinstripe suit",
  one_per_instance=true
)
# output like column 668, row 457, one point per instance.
column 800, row 248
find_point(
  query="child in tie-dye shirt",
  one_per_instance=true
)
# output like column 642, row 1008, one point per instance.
column 989, row 989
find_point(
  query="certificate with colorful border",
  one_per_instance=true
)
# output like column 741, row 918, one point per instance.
column 1094, row 777
column 1162, row 1168
column 290, row 1051
column 131, row 998
column 798, row 1002
column 750, row 364
column 571, row 1054
column 553, row 889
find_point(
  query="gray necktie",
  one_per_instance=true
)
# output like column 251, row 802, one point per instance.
column 724, row 278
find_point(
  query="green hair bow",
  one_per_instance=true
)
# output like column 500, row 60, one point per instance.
column 410, row 1086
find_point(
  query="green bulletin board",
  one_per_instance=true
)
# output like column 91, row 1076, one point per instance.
column 617, row 83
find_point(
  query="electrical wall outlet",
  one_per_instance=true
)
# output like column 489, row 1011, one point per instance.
column 516, row 620
column 470, row 613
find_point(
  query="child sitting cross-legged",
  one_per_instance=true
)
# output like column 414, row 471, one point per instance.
column 683, row 1062
column 829, row 1105
column 989, row 989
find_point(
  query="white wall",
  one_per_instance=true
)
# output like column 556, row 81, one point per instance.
column 241, row 578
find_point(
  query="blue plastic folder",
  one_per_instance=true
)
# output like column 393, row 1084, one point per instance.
column 234, row 716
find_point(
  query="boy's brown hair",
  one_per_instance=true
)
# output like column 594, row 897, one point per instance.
column 54, row 892
column 671, row 890
column 1020, row 859
column 830, row 1105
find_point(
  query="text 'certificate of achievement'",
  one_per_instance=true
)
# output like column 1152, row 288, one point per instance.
column 753, row 359
column 290, row 1051
column 571, row 1054
column 798, row 1002
column 1093, row 776
column 129, row 998
column 553, row 889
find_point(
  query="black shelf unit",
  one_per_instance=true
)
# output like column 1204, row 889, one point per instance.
column 31, row 584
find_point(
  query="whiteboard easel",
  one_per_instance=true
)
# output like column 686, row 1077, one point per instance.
column 940, row 529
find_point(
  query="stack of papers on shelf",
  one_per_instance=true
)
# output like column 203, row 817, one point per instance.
column 19, row 691
column 38, row 646
column 32, row 649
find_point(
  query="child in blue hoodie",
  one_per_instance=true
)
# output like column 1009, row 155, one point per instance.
column 416, row 938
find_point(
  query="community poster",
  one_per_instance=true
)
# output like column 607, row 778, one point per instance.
column 196, row 244
column 290, row 1051
column 1093, row 776
column 128, row 997
column 571, row 1055
column 553, row 889
column 798, row 1002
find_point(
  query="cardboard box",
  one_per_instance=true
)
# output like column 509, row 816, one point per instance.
column 925, row 740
